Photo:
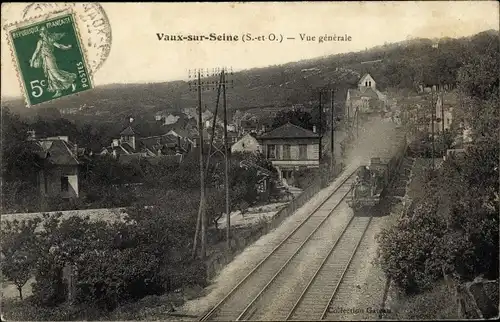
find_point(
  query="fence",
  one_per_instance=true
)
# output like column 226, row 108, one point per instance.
column 471, row 299
column 322, row 180
column 217, row 261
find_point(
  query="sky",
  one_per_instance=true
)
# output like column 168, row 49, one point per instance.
column 138, row 56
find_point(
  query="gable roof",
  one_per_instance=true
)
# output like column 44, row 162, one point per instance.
column 196, row 134
column 155, row 143
column 127, row 147
column 362, row 79
column 56, row 152
column 128, row 131
column 290, row 131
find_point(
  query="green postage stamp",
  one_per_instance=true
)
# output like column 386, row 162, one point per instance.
column 49, row 57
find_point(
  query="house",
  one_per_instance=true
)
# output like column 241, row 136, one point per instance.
column 58, row 168
column 365, row 99
column 418, row 111
column 195, row 135
column 443, row 113
column 290, row 148
column 166, row 118
column 131, row 143
column 247, row 143
column 192, row 113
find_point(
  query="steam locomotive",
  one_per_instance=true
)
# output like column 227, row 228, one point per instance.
column 372, row 181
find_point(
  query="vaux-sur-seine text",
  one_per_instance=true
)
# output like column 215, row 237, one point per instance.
column 250, row 37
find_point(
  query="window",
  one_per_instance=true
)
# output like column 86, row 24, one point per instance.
column 303, row 152
column 286, row 152
column 64, row 184
column 271, row 151
column 286, row 174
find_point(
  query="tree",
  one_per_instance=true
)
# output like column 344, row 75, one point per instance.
column 300, row 118
column 18, row 160
column 454, row 227
column 19, row 251
column 215, row 206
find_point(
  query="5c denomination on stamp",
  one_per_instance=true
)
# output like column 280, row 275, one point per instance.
column 95, row 28
column 49, row 57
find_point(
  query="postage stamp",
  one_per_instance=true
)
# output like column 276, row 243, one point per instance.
column 49, row 57
column 95, row 28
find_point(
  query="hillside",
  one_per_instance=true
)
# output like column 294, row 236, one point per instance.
column 400, row 65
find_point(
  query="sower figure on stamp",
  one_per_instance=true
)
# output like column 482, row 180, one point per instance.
column 57, row 79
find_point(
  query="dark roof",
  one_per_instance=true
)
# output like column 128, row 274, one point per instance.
column 289, row 130
column 195, row 134
column 129, row 158
column 56, row 152
column 128, row 131
column 127, row 147
column 36, row 148
column 154, row 143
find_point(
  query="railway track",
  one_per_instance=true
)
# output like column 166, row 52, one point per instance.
column 347, row 285
column 323, row 288
column 240, row 302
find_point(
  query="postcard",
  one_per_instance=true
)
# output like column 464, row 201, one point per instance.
column 263, row 161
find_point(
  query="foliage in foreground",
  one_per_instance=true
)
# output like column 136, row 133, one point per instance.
column 454, row 227
column 118, row 262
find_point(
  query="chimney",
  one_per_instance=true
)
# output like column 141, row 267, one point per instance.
column 115, row 143
column 75, row 149
column 131, row 119
column 314, row 128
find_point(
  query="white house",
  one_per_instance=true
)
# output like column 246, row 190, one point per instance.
column 366, row 98
column 247, row 143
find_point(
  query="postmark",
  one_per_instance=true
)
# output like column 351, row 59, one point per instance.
column 49, row 57
column 94, row 27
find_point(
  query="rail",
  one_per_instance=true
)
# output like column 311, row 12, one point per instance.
column 325, row 311
column 289, row 259
column 321, row 269
column 287, row 238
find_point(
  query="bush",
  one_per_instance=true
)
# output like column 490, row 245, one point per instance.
column 305, row 177
column 410, row 251
column 29, row 310
column 114, row 263
column 453, row 228
column 106, row 279
column 435, row 304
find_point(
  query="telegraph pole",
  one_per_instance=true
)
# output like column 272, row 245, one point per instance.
column 202, row 176
column 319, row 132
column 332, row 132
column 226, row 170
column 202, row 220
column 433, row 110
column 357, row 122
column 442, row 120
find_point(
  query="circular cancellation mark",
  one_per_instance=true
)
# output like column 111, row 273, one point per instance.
column 95, row 29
